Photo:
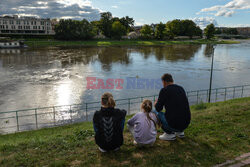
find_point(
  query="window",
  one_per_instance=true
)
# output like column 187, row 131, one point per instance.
column 31, row 22
column 15, row 43
column 35, row 22
column 10, row 43
column 28, row 23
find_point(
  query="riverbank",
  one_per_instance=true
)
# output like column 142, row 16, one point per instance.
column 218, row 132
column 55, row 43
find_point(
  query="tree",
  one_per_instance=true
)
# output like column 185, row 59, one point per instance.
column 118, row 30
column 74, row 29
column 106, row 24
column 146, row 31
column 209, row 31
column 160, row 31
column 198, row 31
column 127, row 22
column 217, row 31
column 175, row 27
column 189, row 28
column 95, row 26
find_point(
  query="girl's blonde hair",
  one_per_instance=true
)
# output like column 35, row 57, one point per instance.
column 108, row 100
column 146, row 106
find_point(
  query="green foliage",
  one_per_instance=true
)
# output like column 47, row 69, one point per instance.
column 174, row 28
column 182, row 28
column 209, row 31
column 230, row 31
column 160, row 31
column 146, row 32
column 106, row 24
column 218, row 31
column 128, row 22
column 190, row 29
column 74, row 30
column 118, row 30
column 109, row 25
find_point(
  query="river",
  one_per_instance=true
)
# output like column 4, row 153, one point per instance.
column 32, row 78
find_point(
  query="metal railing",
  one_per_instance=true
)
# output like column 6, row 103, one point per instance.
column 36, row 118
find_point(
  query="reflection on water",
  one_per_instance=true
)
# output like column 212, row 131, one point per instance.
column 57, row 76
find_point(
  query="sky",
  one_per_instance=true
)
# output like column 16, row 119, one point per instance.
column 230, row 13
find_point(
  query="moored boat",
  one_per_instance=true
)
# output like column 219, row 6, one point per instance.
column 9, row 43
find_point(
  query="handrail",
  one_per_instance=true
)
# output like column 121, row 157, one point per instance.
column 36, row 118
column 136, row 97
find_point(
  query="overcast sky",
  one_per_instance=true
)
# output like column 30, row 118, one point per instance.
column 220, row 12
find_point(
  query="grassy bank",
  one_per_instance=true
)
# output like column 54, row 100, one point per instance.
column 218, row 132
column 46, row 43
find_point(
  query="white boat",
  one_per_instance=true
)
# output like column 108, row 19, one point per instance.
column 8, row 43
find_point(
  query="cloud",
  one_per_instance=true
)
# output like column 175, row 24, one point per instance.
column 114, row 6
column 228, row 9
column 202, row 22
column 74, row 9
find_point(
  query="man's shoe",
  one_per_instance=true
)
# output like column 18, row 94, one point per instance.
column 180, row 134
column 168, row 137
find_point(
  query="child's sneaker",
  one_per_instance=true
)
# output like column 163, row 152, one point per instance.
column 102, row 150
column 180, row 134
column 168, row 137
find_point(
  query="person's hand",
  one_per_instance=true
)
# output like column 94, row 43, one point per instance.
column 155, row 102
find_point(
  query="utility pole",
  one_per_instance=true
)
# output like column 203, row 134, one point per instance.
column 211, row 74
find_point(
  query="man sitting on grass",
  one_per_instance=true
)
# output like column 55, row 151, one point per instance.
column 177, row 116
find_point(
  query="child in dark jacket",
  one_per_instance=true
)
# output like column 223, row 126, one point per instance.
column 109, row 124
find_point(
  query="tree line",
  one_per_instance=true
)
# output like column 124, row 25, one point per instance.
column 114, row 28
column 171, row 29
column 109, row 26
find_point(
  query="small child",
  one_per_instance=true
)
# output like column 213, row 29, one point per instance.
column 109, row 125
column 143, row 125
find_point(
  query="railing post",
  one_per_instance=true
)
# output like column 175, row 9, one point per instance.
column 216, row 95
column 36, row 118
column 129, row 106
column 86, row 112
column 225, row 97
column 17, row 121
column 208, row 100
column 234, row 93
column 197, row 100
column 70, row 112
column 154, row 99
column 54, row 116
column 242, row 90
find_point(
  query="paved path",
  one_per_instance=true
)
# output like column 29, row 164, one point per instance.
column 240, row 161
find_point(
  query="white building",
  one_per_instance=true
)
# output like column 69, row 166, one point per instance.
column 25, row 26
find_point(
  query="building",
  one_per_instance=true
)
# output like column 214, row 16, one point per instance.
column 26, row 26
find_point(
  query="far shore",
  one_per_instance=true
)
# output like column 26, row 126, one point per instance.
column 106, row 42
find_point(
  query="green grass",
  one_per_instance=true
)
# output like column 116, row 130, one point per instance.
column 218, row 132
column 53, row 43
